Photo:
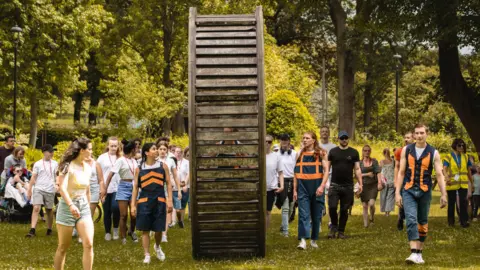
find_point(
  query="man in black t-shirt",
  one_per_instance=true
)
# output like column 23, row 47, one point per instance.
column 343, row 160
column 5, row 151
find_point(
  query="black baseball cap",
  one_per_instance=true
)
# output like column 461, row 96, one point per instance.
column 284, row 137
column 343, row 133
column 47, row 148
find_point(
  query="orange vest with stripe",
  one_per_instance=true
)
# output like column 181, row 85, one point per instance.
column 308, row 168
column 419, row 171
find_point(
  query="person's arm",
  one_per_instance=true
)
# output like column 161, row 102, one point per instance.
column 440, row 179
column 470, row 179
column 400, row 176
column 89, row 195
column 103, row 189
column 280, row 180
column 177, row 183
column 358, row 174
column 31, row 184
column 295, row 180
column 133, row 202
column 169, row 189
column 66, row 197
column 326, row 171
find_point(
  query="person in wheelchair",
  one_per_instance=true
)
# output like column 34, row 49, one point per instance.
column 19, row 180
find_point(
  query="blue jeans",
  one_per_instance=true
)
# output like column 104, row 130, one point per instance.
column 310, row 209
column 110, row 208
column 416, row 204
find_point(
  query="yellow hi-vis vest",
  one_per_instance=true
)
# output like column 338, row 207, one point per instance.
column 460, row 181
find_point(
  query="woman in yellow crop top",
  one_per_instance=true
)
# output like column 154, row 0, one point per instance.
column 73, row 210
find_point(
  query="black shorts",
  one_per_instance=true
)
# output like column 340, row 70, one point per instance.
column 270, row 199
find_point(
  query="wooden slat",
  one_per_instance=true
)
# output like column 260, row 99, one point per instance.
column 218, row 35
column 226, row 16
column 227, row 162
column 228, row 252
column 220, row 186
column 226, row 42
column 226, row 83
column 230, row 110
column 212, row 98
column 221, row 136
column 227, row 233
column 226, row 51
column 225, row 28
column 227, row 226
column 226, row 71
column 212, row 174
column 220, row 217
column 213, row 61
column 226, row 196
column 226, row 21
column 227, row 93
column 227, row 122
column 211, row 150
column 225, row 207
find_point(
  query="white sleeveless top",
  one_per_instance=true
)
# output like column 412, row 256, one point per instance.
column 94, row 176
column 77, row 180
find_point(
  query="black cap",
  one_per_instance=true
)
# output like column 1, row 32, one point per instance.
column 284, row 137
column 343, row 133
column 47, row 148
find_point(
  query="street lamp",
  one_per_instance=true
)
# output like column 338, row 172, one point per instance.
column 397, row 81
column 16, row 33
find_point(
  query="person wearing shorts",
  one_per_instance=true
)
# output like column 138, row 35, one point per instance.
column 43, row 185
column 183, row 168
column 97, row 186
column 274, row 176
column 151, row 207
column 73, row 210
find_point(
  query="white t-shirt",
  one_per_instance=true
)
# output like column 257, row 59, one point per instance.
column 171, row 165
column 125, row 168
column 45, row 171
column 183, row 170
column 288, row 162
column 419, row 151
column 328, row 146
column 155, row 165
column 107, row 162
column 274, row 167
column 94, row 176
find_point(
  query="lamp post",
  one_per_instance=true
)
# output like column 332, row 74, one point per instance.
column 397, row 81
column 16, row 33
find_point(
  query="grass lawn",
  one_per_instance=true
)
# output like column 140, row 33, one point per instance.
column 378, row 247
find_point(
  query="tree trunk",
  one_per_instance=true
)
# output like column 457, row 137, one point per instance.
column 178, row 125
column 368, row 97
column 463, row 98
column 33, row 120
column 167, row 55
column 93, row 82
column 77, row 107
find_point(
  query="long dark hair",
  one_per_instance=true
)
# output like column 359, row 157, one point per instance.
column 128, row 146
column 145, row 148
column 72, row 152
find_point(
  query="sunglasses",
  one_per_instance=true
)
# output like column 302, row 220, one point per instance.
column 18, row 171
column 269, row 142
column 367, row 150
column 344, row 138
column 461, row 145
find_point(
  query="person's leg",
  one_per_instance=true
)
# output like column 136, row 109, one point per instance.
column 115, row 213
column 410, row 205
column 304, row 217
column 107, row 213
column 85, row 232
column 285, row 215
column 383, row 200
column 422, row 217
column 371, row 206
column 35, row 214
column 365, row 214
column 316, row 208
column 452, row 198
column 93, row 207
column 64, row 241
column 476, row 204
column 49, row 218
column 333, row 199
column 346, row 201
column 133, row 221
column 123, row 206
column 462, row 194
column 146, row 242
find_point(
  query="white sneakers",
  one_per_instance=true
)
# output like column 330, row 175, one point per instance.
column 302, row 245
column 164, row 239
column 160, row 254
column 313, row 243
column 147, row 259
column 415, row 258
column 124, row 241
column 108, row 237
column 115, row 234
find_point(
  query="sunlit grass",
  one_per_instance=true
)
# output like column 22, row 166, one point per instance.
column 378, row 247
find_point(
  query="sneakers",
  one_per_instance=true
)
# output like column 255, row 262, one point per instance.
column 331, row 234
column 124, row 241
column 31, row 233
column 181, row 225
column 164, row 239
column 341, row 235
column 415, row 258
column 108, row 237
column 49, row 232
column 115, row 234
column 79, row 240
column 134, row 236
column 160, row 254
column 147, row 259
column 314, row 244
column 171, row 225
column 284, row 234
column 302, row 245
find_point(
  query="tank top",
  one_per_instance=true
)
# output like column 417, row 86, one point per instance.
column 93, row 176
column 77, row 180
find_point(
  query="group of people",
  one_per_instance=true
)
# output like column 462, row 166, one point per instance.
column 147, row 182
column 321, row 171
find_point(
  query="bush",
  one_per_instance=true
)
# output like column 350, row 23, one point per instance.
column 181, row 141
column 32, row 156
column 285, row 113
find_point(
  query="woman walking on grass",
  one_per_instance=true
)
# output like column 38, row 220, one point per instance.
column 311, row 175
column 73, row 209
column 371, row 184
column 387, row 195
column 97, row 185
column 151, row 207
column 125, row 168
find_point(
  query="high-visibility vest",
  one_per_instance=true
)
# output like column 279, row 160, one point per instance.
column 419, row 171
column 457, row 169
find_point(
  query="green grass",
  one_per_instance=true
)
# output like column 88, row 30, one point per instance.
column 378, row 247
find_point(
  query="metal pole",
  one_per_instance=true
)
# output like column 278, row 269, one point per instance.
column 15, row 90
column 397, row 79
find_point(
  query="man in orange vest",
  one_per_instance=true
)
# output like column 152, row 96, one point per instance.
column 414, row 189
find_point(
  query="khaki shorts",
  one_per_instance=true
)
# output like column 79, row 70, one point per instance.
column 43, row 198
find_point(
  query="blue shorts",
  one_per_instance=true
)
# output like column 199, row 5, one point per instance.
column 124, row 192
column 151, row 214
column 181, row 204
column 65, row 217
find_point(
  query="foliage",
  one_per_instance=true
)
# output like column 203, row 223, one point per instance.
column 181, row 141
column 285, row 113
column 32, row 156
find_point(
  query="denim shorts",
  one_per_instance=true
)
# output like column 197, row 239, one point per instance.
column 94, row 193
column 180, row 204
column 65, row 217
column 124, row 192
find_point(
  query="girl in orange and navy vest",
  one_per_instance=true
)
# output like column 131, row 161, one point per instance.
column 309, row 174
column 151, row 207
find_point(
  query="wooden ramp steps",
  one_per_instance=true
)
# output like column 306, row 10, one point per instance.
column 227, row 134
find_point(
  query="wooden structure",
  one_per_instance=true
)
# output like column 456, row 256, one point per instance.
column 227, row 134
